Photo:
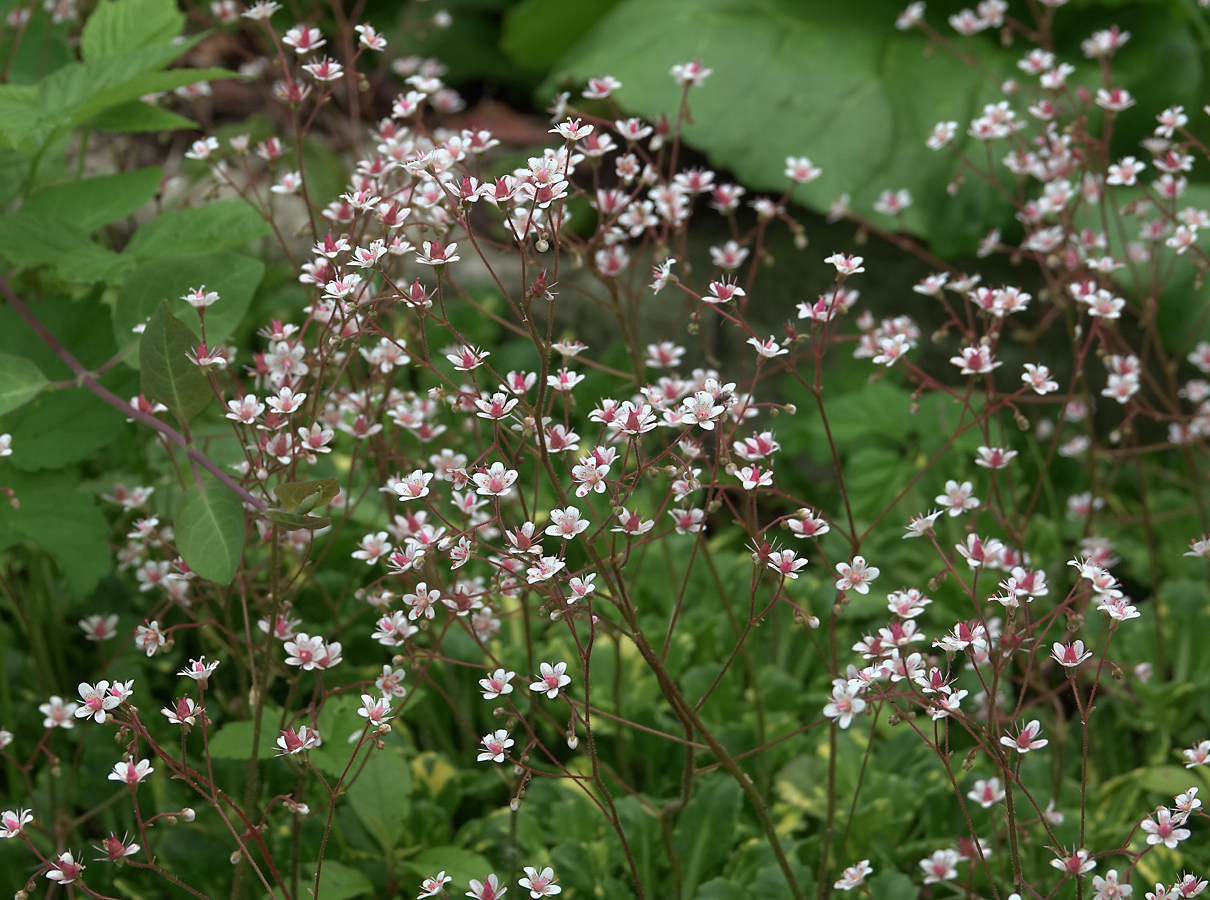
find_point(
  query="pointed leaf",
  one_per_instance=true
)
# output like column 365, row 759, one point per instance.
column 20, row 382
column 233, row 276
column 89, row 203
column 136, row 116
column 118, row 26
column 291, row 494
column 293, row 521
column 337, row 881
column 216, row 226
column 210, row 531
column 167, row 374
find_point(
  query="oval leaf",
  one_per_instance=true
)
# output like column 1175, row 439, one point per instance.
column 232, row 276
column 20, row 382
column 210, row 531
column 167, row 374
column 293, row 493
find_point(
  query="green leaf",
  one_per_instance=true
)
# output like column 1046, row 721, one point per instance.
column 167, row 375
column 890, row 885
column 832, row 81
column 217, row 226
column 18, row 112
column 60, row 519
column 14, row 169
column 81, row 325
column 80, row 90
column 705, row 829
column 233, row 276
column 117, row 26
column 20, row 382
column 89, row 203
column 146, row 83
column 61, row 427
column 32, row 239
column 293, row 493
column 329, row 171
column 137, row 116
column 337, row 881
column 721, row 889
column 537, row 33
column 234, row 740
column 458, row 863
column 293, row 521
column 379, row 796
column 210, row 531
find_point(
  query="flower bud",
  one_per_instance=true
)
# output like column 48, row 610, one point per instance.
column 514, row 804
column 188, row 814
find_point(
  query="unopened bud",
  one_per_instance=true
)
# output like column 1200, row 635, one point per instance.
column 514, row 804
column 573, row 742
column 1116, row 671
column 170, row 820
column 235, row 857
column 541, row 245
column 188, row 814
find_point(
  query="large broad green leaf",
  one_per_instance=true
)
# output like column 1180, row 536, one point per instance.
column 61, row 520
column 458, row 863
column 891, row 885
column 18, row 112
column 168, row 375
column 234, row 739
column 216, row 226
column 832, row 81
column 14, row 168
column 89, row 203
column 137, row 116
column 82, row 326
column 20, row 382
column 63, row 93
column 33, row 238
column 721, row 889
column 143, row 84
column 379, row 796
column 117, row 26
column 537, row 33
column 336, row 881
column 705, row 830
column 210, row 531
column 64, row 426
column 167, row 278
column 77, row 92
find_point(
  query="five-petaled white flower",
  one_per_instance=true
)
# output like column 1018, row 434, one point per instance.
column 551, row 680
